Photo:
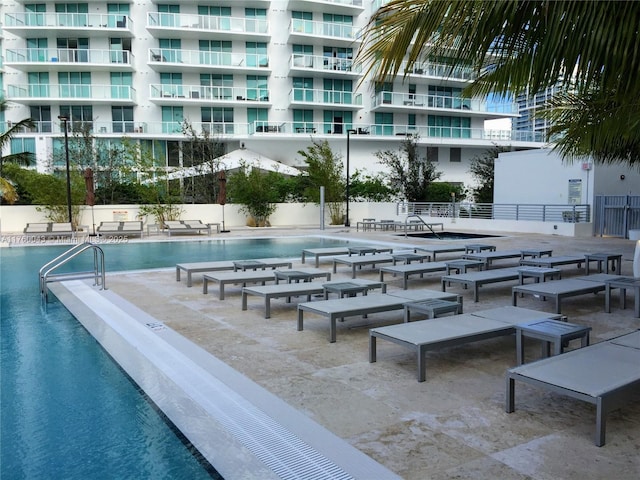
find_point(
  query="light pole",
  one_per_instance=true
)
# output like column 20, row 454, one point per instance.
column 65, row 119
column 349, row 132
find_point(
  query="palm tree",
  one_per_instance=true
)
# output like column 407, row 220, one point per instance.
column 589, row 48
column 7, row 190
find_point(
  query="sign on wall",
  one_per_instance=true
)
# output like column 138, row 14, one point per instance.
column 575, row 191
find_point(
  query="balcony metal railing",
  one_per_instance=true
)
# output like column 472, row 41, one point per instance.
column 207, row 59
column 323, row 29
column 499, row 211
column 212, row 23
column 48, row 92
column 68, row 55
column 319, row 96
column 328, row 64
column 442, row 102
column 39, row 20
column 208, row 93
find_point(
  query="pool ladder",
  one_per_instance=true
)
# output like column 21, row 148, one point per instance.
column 406, row 223
column 47, row 272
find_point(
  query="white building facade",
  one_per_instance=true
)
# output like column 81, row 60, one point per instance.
column 269, row 75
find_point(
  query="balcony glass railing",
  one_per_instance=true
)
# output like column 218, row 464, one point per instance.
column 208, row 93
column 46, row 91
column 338, row 97
column 442, row 102
column 324, row 29
column 210, row 59
column 211, row 23
column 68, row 55
column 62, row 20
column 391, row 131
column 439, row 70
column 320, row 62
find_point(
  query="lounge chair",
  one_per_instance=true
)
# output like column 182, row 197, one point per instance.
column 435, row 249
column 64, row 229
column 125, row 229
column 356, row 306
column 356, row 262
column 489, row 257
column 442, row 332
column 552, row 262
column 307, row 289
column 558, row 289
column 323, row 252
column 197, row 226
column 203, row 267
column 412, row 269
column 37, row 229
column 605, row 374
column 483, row 277
column 235, row 278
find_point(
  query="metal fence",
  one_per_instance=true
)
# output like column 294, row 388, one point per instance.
column 498, row 211
column 615, row 215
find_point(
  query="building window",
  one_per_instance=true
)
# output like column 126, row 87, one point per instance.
column 122, row 118
column 217, row 120
column 257, row 88
column 172, row 118
column 449, row 127
column 302, row 89
column 42, row 117
column 303, row 121
column 432, row 154
column 81, row 116
column 383, row 123
column 455, row 155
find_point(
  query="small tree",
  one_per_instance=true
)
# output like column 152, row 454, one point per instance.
column 258, row 192
column 409, row 174
column 201, row 152
column 482, row 168
column 325, row 169
column 8, row 192
column 49, row 192
column 365, row 187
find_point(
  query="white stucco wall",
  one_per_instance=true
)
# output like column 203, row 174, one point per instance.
column 540, row 176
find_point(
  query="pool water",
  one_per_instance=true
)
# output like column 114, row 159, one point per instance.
column 67, row 410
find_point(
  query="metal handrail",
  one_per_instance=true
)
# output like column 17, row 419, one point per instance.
column 98, row 272
column 406, row 223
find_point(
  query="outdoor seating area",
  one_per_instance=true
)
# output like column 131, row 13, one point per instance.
column 460, row 354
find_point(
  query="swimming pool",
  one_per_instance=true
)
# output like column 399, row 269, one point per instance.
column 68, row 411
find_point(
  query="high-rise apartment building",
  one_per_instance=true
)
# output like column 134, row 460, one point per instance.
column 269, row 74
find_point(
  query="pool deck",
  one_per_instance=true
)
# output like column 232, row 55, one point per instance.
column 454, row 424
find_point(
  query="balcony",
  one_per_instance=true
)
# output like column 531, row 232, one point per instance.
column 177, row 25
column 171, row 60
column 410, row 102
column 430, row 71
column 80, row 24
column 69, row 59
column 321, row 66
column 311, row 32
column 38, row 94
column 305, row 97
column 208, row 95
column 346, row 7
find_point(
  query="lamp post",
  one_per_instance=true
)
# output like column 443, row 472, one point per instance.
column 349, row 132
column 64, row 119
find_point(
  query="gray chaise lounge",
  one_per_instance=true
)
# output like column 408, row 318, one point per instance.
column 605, row 374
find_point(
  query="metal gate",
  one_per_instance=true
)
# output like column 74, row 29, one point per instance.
column 615, row 215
